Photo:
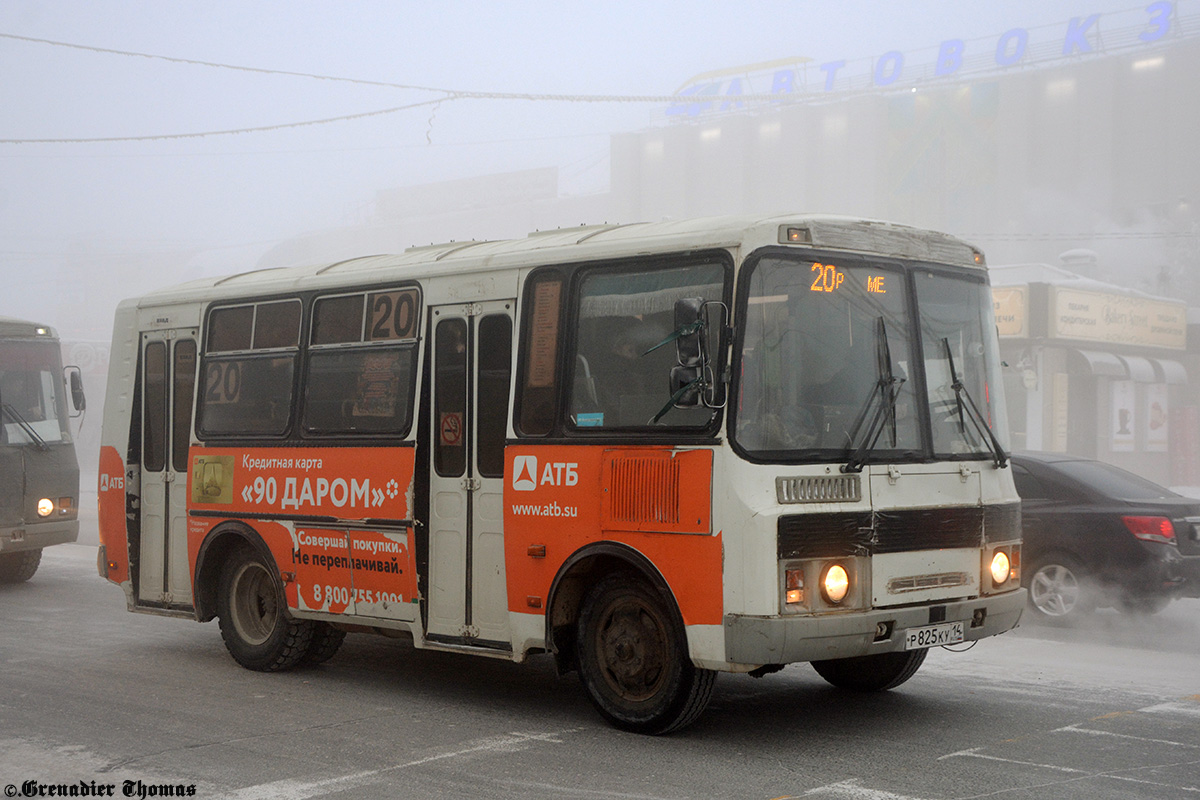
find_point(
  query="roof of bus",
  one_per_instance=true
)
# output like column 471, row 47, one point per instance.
column 586, row 242
column 11, row 326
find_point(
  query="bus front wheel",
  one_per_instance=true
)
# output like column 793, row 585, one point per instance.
column 633, row 661
column 19, row 567
column 875, row 673
column 258, row 631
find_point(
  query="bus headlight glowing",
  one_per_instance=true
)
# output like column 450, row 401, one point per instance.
column 1001, row 567
column 835, row 584
column 45, row 507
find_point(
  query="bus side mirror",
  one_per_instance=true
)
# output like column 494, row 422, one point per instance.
column 688, row 374
column 685, row 386
column 699, row 327
column 689, row 323
column 75, row 381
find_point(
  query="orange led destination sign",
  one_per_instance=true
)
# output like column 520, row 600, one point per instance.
column 828, row 278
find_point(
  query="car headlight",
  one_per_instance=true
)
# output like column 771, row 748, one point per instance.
column 45, row 507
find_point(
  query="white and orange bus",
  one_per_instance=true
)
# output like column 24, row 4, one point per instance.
column 657, row 451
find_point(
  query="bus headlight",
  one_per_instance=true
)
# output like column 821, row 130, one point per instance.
column 45, row 507
column 1001, row 567
column 1004, row 568
column 835, row 583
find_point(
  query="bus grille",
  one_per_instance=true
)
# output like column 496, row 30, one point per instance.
column 644, row 490
column 820, row 489
column 902, row 530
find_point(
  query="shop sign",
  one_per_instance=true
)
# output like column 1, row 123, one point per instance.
column 1118, row 319
column 1012, row 310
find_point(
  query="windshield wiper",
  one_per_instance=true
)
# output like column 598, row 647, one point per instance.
column 999, row 457
column 883, row 401
column 38, row 441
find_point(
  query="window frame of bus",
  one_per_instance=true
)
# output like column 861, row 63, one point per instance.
column 964, row 275
column 249, row 355
column 892, row 265
column 369, row 323
column 566, row 339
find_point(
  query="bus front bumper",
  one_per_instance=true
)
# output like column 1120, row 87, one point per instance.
column 38, row 535
column 788, row 639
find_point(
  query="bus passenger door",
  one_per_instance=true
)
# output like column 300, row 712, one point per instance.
column 472, row 358
column 168, row 389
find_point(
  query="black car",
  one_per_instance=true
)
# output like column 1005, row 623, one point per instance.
column 1096, row 535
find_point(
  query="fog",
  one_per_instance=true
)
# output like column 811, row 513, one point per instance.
column 145, row 143
column 148, row 143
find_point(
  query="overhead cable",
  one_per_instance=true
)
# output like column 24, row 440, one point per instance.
column 260, row 129
column 449, row 93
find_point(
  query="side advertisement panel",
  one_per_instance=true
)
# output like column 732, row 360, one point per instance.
column 337, row 520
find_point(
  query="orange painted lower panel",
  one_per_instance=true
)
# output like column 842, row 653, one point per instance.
column 110, row 495
column 559, row 497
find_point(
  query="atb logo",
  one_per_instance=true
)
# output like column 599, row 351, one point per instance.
column 554, row 473
column 525, row 473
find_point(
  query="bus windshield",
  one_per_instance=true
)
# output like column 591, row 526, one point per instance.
column 959, row 343
column 830, row 356
column 31, row 396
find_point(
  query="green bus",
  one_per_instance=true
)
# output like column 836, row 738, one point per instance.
column 39, row 471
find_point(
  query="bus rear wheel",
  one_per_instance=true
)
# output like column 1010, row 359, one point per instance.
column 19, row 567
column 875, row 673
column 258, row 631
column 326, row 640
column 633, row 661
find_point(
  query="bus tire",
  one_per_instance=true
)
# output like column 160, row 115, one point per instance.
column 633, row 660
column 19, row 567
column 258, row 631
column 326, row 640
column 876, row 673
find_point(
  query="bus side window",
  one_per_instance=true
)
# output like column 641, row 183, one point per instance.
column 539, row 378
column 155, row 371
column 184, row 374
column 495, row 359
column 625, row 343
column 450, row 397
column 247, row 375
column 360, row 373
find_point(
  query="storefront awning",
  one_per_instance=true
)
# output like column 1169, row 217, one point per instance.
column 1105, row 364
column 1167, row 371
column 1140, row 369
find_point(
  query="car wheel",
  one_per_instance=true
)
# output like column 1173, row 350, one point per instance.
column 633, row 659
column 875, row 673
column 252, row 613
column 1058, row 589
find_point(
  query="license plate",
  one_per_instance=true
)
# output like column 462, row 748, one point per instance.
column 933, row 635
